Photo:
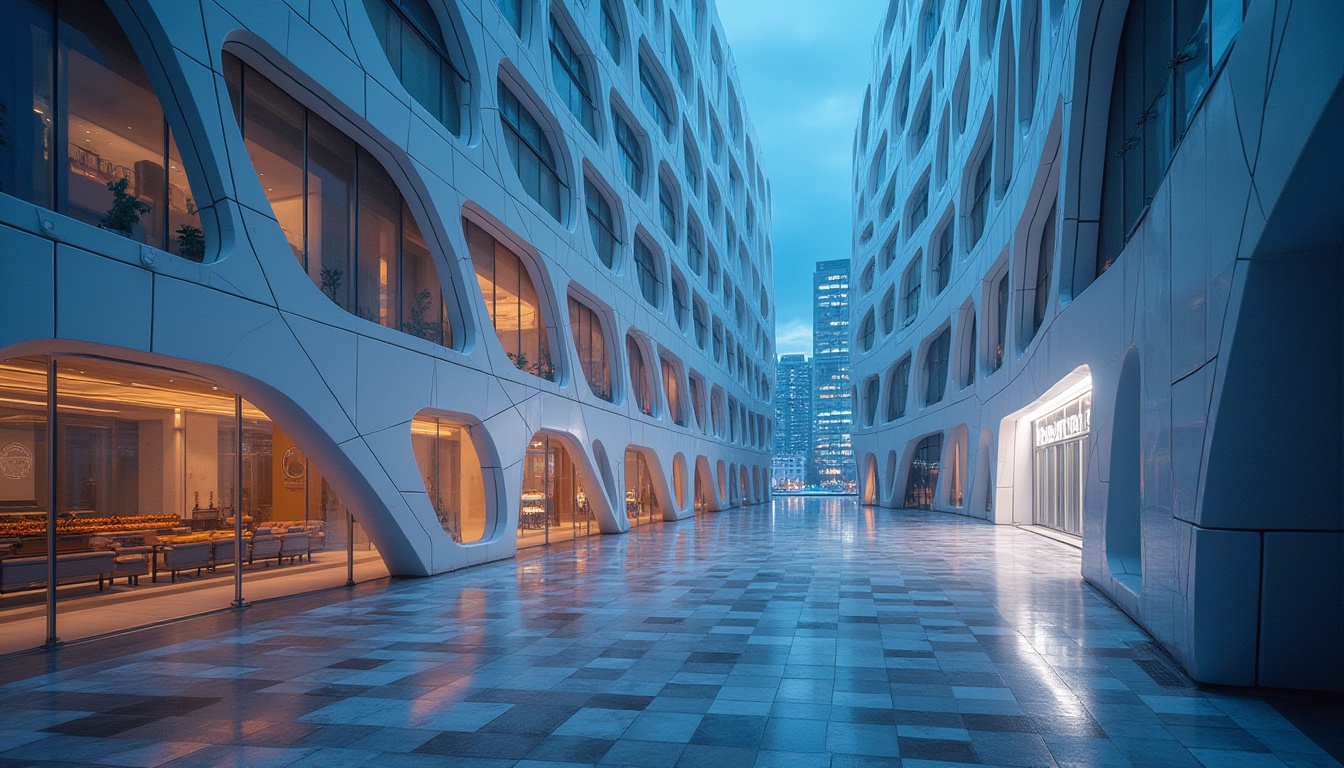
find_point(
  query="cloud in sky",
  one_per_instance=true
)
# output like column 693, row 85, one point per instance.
column 803, row 66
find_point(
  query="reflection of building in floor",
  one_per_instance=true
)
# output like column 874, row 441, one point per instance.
column 85, row 611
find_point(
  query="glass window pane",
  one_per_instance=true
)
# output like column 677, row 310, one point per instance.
column 115, row 129
column 27, row 109
column 330, row 205
column 378, row 255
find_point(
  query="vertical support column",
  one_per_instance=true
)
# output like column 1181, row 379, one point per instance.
column 52, row 487
column 349, row 548
column 238, row 601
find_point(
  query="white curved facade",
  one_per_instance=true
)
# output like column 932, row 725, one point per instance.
column 345, row 388
column 1184, row 403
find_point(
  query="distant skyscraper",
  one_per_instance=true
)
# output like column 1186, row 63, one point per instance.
column 793, row 417
column 832, row 405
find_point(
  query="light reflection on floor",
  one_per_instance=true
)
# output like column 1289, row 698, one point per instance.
column 811, row 632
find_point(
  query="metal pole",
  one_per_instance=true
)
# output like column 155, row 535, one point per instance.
column 238, row 601
column 349, row 548
column 52, row 487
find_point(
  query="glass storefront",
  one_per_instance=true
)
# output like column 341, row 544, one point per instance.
column 922, row 481
column 553, row 505
column 153, row 471
column 1060, row 466
column 641, row 503
column 454, row 481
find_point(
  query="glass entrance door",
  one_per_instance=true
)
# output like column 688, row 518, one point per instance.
column 1061, row 466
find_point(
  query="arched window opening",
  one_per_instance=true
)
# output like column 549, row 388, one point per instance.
column 631, row 149
column 417, row 49
column 968, row 355
column 1045, row 259
column 571, row 78
column 553, row 505
column 648, row 273
column 513, row 302
column 866, row 333
column 979, row 197
column 656, row 99
column 942, row 265
column 612, row 37
column 533, row 156
column 898, row 389
column 590, row 341
column 641, row 499
column 340, row 211
column 641, row 378
column 922, row 480
column 889, row 311
column 871, row 387
column 1168, row 54
column 935, row 367
column 84, row 134
column 671, row 370
column 1001, row 322
column 601, row 223
column 451, row 466
column 912, row 285
column 512, row 11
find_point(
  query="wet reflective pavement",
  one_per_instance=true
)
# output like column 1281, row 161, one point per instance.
column 810, row 632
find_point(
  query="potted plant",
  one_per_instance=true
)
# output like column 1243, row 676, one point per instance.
column 126, row 208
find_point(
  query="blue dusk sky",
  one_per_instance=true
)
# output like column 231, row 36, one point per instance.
column 803, row 66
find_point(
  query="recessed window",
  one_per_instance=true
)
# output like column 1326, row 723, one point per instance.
column 898, row 389
column 1168, row 53
column 641, row 378
column 680, row 308
column 590, row 341
column 1045, row 259
column 919, row 206
column 922, row 477
column 919, row 130
column 935, row 367
column 669, row 206
column 681, row 61
column 928, row 27
column 656, row 99
column 74, row 74
column 871, row 395
column 701, row 319
column 451, row 466
column 532, row 154
column 979, row 197
column 341, row 212
column 415, row 45
column 866, row 278
column 512, row 300
column 601, row 223
column 889, row 311
column 611, row 30
column 648, row 273
column 690, row 161
column 512, row 11
column 631, row 151
column 968, row 356
column 672, row 389
column 911, row 285
column 695, row 244
column 867, row 330
column 942, row 265
column 571, row 79
column 1001, row 324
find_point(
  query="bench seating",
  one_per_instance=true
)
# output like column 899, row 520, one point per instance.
column 31, row 572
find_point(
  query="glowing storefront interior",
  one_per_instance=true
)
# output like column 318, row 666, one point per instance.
column 152, row 470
